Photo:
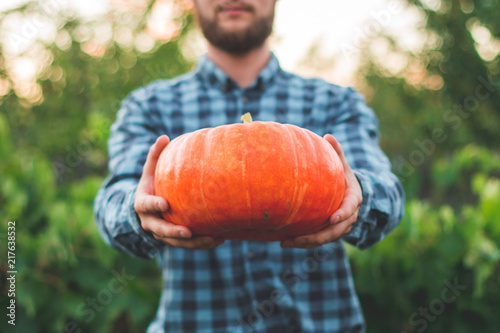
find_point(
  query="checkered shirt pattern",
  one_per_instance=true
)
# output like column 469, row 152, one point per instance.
column 249, row 286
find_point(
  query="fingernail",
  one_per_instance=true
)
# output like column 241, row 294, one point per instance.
column 337, row 219
column 184, row 234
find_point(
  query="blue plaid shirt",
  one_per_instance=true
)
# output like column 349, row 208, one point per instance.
column 249, row 286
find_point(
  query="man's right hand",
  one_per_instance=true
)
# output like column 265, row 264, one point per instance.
column 148, row 207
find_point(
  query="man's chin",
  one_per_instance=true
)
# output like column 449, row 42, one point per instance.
column 235, row 49
column 236, row 36
column 234, row 27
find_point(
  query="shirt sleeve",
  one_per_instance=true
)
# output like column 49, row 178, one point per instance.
column 355, row 126
column 131, row 137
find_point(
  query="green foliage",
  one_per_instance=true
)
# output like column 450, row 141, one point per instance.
column 83, row 81
column 408, row 270
column 437, row 86
column 53, row 160
column 458, row 57
column 61, row 259
column 444, row 95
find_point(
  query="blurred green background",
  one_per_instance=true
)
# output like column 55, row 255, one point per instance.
column 440, row 123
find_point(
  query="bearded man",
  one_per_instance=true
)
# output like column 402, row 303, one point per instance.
column 215, row 285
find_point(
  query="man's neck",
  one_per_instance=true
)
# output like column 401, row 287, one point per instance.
column 243, row 69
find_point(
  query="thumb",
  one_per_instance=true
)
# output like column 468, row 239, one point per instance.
column 154, row 155
column 336, row 145
column 338, row 149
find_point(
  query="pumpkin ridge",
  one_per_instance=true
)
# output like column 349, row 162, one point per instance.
column 244, row 179
column 317, row 172
column 208, row 141
column 296, row 174
column 177, row 160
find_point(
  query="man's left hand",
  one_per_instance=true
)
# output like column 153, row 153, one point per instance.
column 343, row 218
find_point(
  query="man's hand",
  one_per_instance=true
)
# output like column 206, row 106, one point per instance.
column 148, row 207
column 342, row 219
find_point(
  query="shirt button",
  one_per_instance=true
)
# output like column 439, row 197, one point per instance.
column 245, row 99
column 261, row 307
column 250, row 255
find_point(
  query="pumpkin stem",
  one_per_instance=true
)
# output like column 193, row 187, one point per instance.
column 246, row 118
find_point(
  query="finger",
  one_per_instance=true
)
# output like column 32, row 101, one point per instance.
column 198, row 243
column 147, row 204
column 153, row 155
column 327, row 235
column 164, row 229
column 350, row 205
column 336, row 146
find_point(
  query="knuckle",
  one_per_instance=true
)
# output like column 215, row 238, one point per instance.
column 328, row 240
column 159, row 233
column 151, row 225
column 355, row 202
column 307, row 242
column 332, row 239
column 303, row 241
column 209, row 247
column 325, row 241
column 147, row 228
column 180, row 244
column 354, row 208
column 137, row 206
column 203, row 242
column 167, row 233
column 141, row 205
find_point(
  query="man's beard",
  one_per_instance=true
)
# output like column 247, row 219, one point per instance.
column 237, row 42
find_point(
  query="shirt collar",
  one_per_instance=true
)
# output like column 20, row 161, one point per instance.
column 217, row 78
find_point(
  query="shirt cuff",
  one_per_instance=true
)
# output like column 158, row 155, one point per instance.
column 357, row 229
column 152, row 244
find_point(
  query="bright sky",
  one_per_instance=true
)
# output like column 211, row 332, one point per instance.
column 337, row 27
column 340, row 27
column 299, row 23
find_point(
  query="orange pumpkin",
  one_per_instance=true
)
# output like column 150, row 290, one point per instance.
column 256, row 180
